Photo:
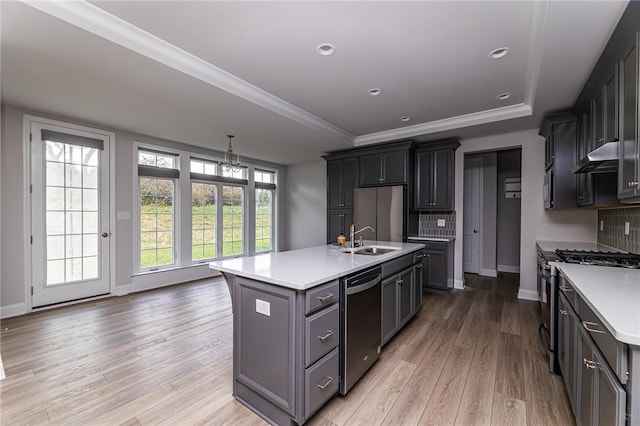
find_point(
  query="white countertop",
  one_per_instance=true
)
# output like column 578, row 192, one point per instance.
column 613, row 294
column 574, row 245
column 306, row 268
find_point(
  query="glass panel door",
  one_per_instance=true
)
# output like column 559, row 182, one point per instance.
column 70, row 215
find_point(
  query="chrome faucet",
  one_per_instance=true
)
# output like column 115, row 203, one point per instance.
column 353, row 232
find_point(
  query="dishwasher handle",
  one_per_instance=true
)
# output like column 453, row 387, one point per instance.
column 363, row 287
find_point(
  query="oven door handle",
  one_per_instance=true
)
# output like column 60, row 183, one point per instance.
column 363, row 287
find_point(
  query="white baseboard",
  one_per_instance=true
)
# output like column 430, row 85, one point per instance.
column 488, row 273
column 123, row 290
column 13, row 310
column 458, row 284
column 509, row 268
column 527, row 294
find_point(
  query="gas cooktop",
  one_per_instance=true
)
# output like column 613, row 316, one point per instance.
column 600, row 258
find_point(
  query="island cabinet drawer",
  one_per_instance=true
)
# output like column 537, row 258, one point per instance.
column 614, row 351
column 396, row 265
column 321, row 383
column 321, row 296
column 321, row 331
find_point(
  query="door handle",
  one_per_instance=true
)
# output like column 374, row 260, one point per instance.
column 105, row 234
column 475, row 231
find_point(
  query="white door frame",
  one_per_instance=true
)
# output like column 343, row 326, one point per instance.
column 480, row 165
column 27, row 121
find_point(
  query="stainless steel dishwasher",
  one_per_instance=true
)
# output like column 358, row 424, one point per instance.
column 360, row 318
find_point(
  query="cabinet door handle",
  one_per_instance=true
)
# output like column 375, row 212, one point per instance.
column 565, row 288
column 324, row 299
column 563, row 312
column 632, row 184
column 419, row 266
column 326, row 336
column 590, row 365
column 400, row 282
column 329, row 380
column 586, row 325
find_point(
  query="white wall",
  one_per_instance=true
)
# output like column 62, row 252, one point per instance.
column 536, row 223
column 306, row 223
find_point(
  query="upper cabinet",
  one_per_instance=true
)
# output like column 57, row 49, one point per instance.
column 342, row 179
column 384, row 168
column 608, row 151
column 560, row 192
column 629, row 163
column 434, row 187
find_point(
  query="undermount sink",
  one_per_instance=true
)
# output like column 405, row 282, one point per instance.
column 370, row 250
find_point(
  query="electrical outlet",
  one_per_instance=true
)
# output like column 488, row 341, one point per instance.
column 602, row 225
column 263, row 307
column 626, row 228
column 441, row 223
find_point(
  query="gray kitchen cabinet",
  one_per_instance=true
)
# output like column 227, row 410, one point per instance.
column 434, row 176
column 598, row 120
column 398, row 290
column 342, row 179
column 285, row 371
column 601, row 398
column 584, row 181
column 567, row 346
column 593, row 373
column 436, row 268
column 384, row 168
column 612, row 106
column 338, row 221
column 418, row 279
column 629, row 164
column 561, row 129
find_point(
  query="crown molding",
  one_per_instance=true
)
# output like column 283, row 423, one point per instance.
column 103, row 24
column 475, row 118
column 538, row 25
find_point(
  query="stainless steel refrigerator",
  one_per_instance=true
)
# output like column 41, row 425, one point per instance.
column 383, row 209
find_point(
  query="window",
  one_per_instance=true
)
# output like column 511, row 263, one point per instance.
column 203, row 220
column 156, row 176
column 232, row 220
column 240, row 173
column 265, row 189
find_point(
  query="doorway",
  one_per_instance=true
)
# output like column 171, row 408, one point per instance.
column 69, row 201
column 491, row 212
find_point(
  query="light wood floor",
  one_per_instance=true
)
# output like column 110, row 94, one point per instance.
column 164, row 356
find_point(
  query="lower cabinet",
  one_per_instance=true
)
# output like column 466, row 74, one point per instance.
column 285, row 371
column 596, row 395
column 398, row 302
column 437, row 264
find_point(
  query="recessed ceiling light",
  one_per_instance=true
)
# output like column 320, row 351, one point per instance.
column 405, row 118
column 326, row 49
column 374, row 91
column 503, row 96
column 499, row 52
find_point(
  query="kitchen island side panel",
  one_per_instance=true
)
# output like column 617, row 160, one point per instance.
column 265, row 353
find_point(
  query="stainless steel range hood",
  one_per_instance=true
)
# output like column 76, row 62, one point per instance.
column 600, row 160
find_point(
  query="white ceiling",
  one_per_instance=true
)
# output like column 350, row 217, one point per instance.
column 196, row 71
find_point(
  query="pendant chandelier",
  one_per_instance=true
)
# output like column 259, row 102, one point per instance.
column 231, row 162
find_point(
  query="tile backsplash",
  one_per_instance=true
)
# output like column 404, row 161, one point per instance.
column 428, row 224
column 613, row 234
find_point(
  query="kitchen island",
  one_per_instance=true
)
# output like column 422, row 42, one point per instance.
column 288, row 323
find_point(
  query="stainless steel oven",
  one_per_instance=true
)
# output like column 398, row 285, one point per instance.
column 361, row 322
column 548, row 299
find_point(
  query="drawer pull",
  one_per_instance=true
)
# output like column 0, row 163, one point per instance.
column 326, row 336
column 565, row 288
column 590, row 365
column 563, row 312
column 326, row 298
column 419, row 266
column 329, row 380
column 586, row 325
